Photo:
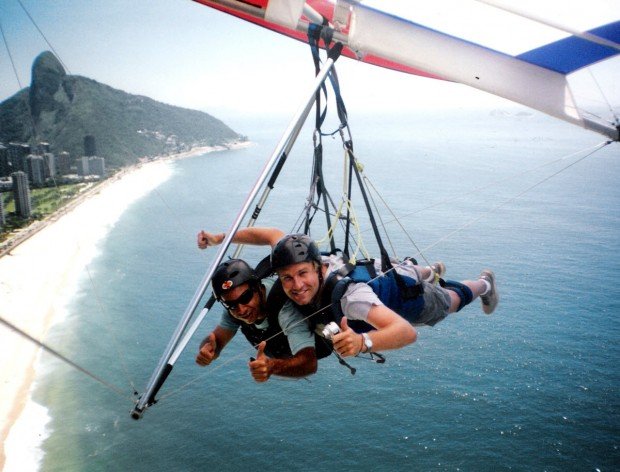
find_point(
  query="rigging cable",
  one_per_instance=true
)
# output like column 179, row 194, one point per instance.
column 43, row 35
column 8, row 50
column 111, row 334
column 64, row 359
column 19, row 82
column 604, row 96
column 520, row 194
column 476, row 190
column 63, row 209
column 395, row 219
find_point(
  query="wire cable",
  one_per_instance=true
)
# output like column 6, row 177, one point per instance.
column 64, row 359
column 515, row 197
column 43, row 36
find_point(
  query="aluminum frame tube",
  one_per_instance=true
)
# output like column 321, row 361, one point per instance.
column 261, row 202
column 300, row 116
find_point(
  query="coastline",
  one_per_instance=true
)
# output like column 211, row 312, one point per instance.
column 25, row 233
column 30, row 268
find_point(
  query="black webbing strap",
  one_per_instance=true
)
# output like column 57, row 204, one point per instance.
column 406, row 291
column 315, row 35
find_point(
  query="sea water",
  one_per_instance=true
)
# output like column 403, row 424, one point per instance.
column 535, row 386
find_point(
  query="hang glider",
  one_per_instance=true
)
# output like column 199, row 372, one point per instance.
column 347, row 28
column 537, row 79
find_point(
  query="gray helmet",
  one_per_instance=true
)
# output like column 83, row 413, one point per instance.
column 294, row 248
column 231, row 274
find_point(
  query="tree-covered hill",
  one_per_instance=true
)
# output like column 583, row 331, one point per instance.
column 63, row 109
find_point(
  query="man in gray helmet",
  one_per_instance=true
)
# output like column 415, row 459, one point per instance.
column 304, row 274
column 244, row 296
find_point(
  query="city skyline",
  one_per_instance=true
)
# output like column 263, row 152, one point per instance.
column 40, row 164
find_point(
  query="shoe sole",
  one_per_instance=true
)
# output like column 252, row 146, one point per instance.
column 493, row 297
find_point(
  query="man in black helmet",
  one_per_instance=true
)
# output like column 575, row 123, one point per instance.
column 243, row 295
column 303, row 273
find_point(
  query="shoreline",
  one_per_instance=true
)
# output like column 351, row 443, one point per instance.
column 24, row 234
column 30, row 268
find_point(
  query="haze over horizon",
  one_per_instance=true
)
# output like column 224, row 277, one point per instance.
column 185, row 54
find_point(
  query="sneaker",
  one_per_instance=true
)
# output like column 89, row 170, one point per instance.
column 438, row 270
column 490, row 299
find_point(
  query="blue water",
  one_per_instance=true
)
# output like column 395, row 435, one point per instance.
column 535, row 386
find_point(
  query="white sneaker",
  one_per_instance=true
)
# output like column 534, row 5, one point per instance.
column 438, row 269
column 491, row 298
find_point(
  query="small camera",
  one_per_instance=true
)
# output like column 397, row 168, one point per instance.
column 330, row 329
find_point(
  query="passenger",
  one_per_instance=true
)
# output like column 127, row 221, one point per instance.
column 238, row 288
column 304, row 273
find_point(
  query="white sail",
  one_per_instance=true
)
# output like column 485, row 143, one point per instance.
column 538, row 78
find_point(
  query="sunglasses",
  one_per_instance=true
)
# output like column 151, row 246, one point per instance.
column 242, row 299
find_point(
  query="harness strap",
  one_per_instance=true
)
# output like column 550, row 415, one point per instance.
column 317, row 33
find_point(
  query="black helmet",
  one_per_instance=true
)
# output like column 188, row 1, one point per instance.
column 292, row 249
column 231, row 274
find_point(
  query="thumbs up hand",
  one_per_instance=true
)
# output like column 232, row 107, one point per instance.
column 261, row 367
column 207, row 352
column 347, row 342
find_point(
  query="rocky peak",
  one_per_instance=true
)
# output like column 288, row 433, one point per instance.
column 47, row 78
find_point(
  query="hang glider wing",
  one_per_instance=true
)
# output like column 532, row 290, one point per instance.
column 537, row 79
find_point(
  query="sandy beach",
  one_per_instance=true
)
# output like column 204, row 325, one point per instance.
column 37, row 277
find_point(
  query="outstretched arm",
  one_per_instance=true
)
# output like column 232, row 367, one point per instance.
column 300, row 365
column 254, row 235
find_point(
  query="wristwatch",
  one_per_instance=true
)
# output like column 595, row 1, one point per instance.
column 367, row 342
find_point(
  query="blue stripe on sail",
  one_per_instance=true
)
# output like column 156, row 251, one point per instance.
column 573, row 53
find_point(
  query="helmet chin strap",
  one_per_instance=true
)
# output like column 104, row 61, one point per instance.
column 317, row 297
column 263, row 300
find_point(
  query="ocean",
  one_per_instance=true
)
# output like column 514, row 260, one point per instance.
column 535, row 386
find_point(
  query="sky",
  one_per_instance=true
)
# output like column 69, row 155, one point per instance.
column 185, row 54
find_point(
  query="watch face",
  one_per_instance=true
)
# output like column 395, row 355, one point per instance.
column 367, row 342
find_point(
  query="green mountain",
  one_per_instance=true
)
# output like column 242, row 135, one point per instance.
column 63, row 109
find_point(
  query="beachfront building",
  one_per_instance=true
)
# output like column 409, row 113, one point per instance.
column 91, row 166
column 5, row 164
column 50, row 165
column 2, row 214
column 63, row 163
column 96, row 166
column 43, row 148
column 90, row 146
column 6, row 184
column 82, row 165
column 21, row 194
column 17, row 156
column 35, row 165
